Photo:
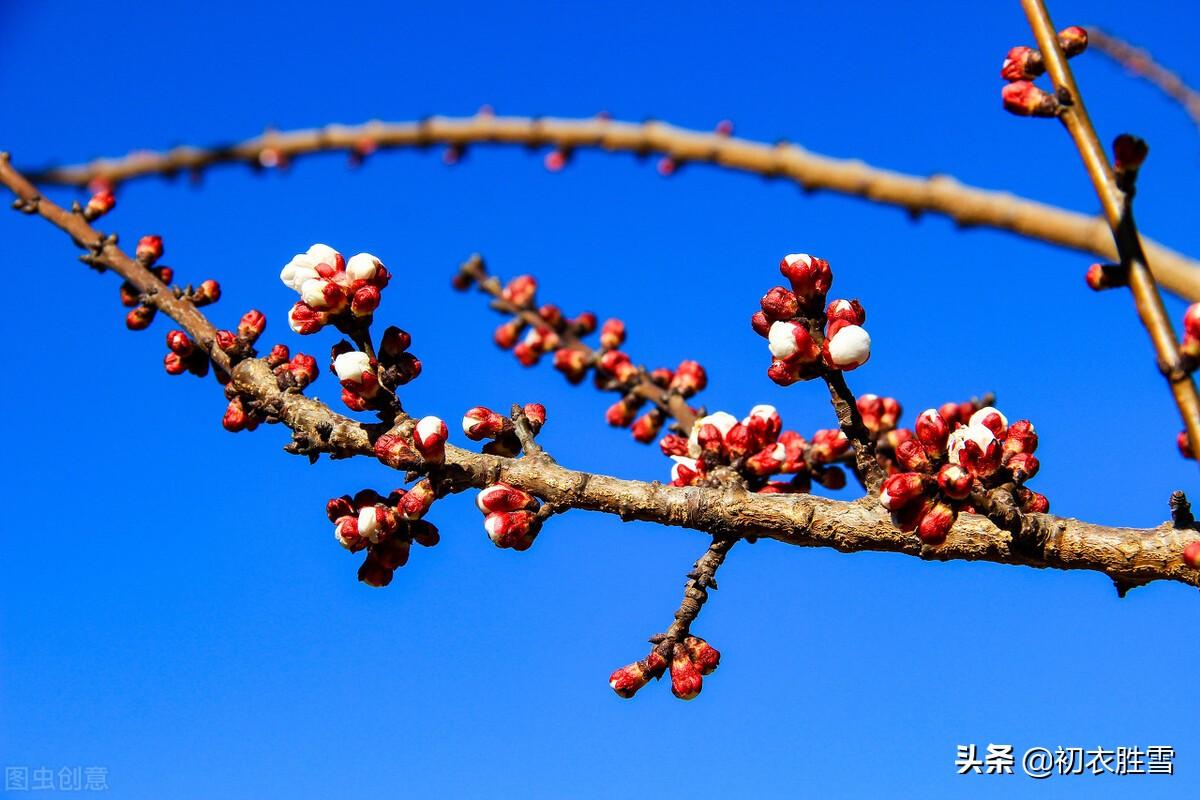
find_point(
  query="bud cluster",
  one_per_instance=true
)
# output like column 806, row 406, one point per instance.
column 510, row 516
column 540, row 330
column 385, row 527
column 333, row 289
column 370, row 383
column 1023, row 64
column 754, row 450
column 140, row 315
column 689, row 661
column 804, row 340
column 955, row 452
column 480, row 423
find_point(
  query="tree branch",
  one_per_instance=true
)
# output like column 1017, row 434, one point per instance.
column 941, row 194
column 1141, row 63
column 1117, row 212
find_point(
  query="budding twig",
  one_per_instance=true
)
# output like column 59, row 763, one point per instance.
column 941, row 194
column 1142, row 63
column 1117, row 213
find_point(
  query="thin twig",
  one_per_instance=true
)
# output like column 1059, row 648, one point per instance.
column 1146, row 298
column 1141, row 63
column 940, row 194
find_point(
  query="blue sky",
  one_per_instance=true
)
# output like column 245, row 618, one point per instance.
column 175, row 608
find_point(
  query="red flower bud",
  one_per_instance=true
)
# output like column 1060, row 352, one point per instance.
column 617, row 364
column 520, row 290
column 585, row 323
column 764, row 424
column 178, row 342
column 1106, row 276
column 936, row 524
column 791, row 342
column 1026, row 100
column 627, row 680
column 1073, row 40
column 911, row 455
column 1023, row 466
column 207, row 292
column 1032, row 502
column 174, row 364
column 535, row 413
column 767, row 461
column 1021, row 437
column 932, row 432
column 902, row 490
column 1022, row 63
column 760, row 323
column 397, row 452
column 373, row 573
column 686, row 680
column 1129, row 152
column 515, row 529
column 482, row 423
column 236, row 418
column 908, row 518
column 149, row 249
column 571, row 363
column 955, row 481
column 130, row 296
column 1191, row 555
column 828, row 445
column 365, row 301
column 226, row 340
column 621, row 413
column 810, row 276
column 647, row 426
column 1185, row 447
column 303, row 369
column 689, row 378
column 500, row 497
column 506, row 334
column 140, row 318
column 672, row 445
column 703, row 655
column 612, row 334
column 779, row 304
column 391, row 553
column 99, row 204
column 304, row 319
column 846, row 310
column 251, row 325
column 338, row 507
column 417, row 500
column 555, row 160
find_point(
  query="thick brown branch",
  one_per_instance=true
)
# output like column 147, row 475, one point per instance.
column 1141, row 63
column 1130, row 555
column 940, row 194
column 1114, row 203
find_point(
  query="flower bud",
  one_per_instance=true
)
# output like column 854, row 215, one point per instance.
column 303, row 369
column 1185, row 447
column 365, row 301
column 955, row 481
column 397, row 452
column 1026, row 100
column 362, row 267
column 584, row 324
column 226, row 340
column 767, row 461
column 627, row 680
column 764, row 423
column 304, row 319
column 828, row 445
column 149, row 249
column 571, row 363
column 130, row 296
column 621, row 413
column 760, row 323
column 506, row 334
column 1106, row 276
column 617, row 364
column 482, row 423
column 991, row 419
column 703, row 655
column 352, row 367
column 789, row 341
column 846, row 310
column 140, row 318
column 911, row 455
column 901, row 490
column 391, row 553
column 345, row 530
column 1022, row 63
column 975, row 448
column 535, row 414
column 501, row 497
column 511, row 528
column 430, row 436
column 1021, row 437
column 520, row 290
column 612, row 334
column 936, row 523
column 810, row 276
column 685, row 470
column 417, row 500
column 1073, row 40
column 647, row 426
column 424, row 533
column 99, row 204
column 689, row 378
column 174, row 364
column 1191, row 555
column 932, row 431
column 794, row 449
column 848, row 348
column 686, row 680
column 339, row 507
column 1129, row 153
column 235, row 419
column 779, row 304
column 672, row 445
column 1023, row 466
column 178, row 342
column 251, row 325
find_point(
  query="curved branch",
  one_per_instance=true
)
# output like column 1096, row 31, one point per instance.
column 1141, row 63
column 1129, row 556
column 967, row 206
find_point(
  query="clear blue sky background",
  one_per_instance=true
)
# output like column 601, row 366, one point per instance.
column 176, row 609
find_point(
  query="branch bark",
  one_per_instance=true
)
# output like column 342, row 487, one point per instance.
column 940, row 194
column 1129, row 555
column 1141, row 63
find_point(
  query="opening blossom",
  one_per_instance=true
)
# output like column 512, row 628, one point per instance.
column 332, row 289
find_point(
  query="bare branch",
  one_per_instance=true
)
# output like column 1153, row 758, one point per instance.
column 1141, row 63
column 941, row 194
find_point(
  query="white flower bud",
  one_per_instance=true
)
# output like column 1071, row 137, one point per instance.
column 351, row 366
column 781, row 339
column 792, row 258
column 324, row 254
column 312, row 292
column 367, row 523
column 719, row 419
column 989, row 417
column 967, row 433
column 362, row 267
column 849, row 347
column 300, row 269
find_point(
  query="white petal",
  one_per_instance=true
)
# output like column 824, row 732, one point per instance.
column 781, row 340
column 362, row 267
column 350, row 366
column 297, row 271
column 312, row 291
column 428, row 426
column 323, row 254
column 366, row 522
column 850, row 345
column 792, row 258
column 979, row 416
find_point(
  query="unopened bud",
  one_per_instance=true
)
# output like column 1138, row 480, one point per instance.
column 1026, row 100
